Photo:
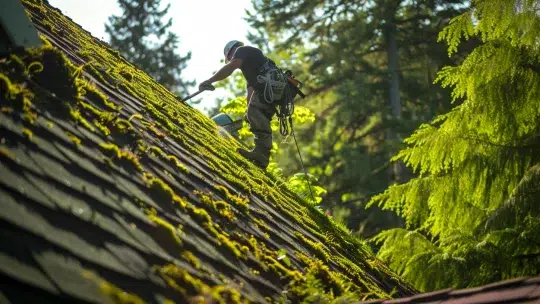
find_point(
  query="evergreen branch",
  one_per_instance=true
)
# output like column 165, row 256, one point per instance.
column 352, row 125
column 534, row 67
column 507, row 146
column 327, row 87
column 331, row 149
column 354, row 185
column 526, row 256
column 413, row 19
column 326, row 111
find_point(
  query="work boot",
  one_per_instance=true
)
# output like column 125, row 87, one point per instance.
column 258, row 156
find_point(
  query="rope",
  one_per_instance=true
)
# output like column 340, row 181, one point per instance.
column 301, row 160
column 271, row 84
column 285, row 110
column 276, row 88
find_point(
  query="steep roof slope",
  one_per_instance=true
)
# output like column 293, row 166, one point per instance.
column 113, row 191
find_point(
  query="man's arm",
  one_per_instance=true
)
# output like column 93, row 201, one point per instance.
column 224, row 72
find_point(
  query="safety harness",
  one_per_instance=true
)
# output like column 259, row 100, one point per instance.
column 279, row 87
column 274, row 82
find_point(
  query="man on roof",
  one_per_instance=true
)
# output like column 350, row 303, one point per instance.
column 265, row 88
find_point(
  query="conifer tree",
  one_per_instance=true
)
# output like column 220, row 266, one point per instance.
column 472, row 214
column 370, row 84
column 143, row 37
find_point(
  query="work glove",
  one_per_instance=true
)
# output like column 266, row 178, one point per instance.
column 206, row 85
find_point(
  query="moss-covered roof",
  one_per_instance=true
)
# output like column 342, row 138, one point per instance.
column 113, row 191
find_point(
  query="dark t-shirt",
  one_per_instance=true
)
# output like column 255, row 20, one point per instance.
column 252, row 60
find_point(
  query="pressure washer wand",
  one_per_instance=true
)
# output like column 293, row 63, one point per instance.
column 204, row 88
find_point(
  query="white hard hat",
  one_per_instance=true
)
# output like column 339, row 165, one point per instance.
column 231, row 44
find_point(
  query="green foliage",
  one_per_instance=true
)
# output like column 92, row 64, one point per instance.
column 340, row 50
column 320, row 285
column 301, row 185
column 472, row 212
column 132, row 146
column 143, row 38
column 236, row 109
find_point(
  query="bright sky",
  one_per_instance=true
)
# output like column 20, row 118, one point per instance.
column 204, row 27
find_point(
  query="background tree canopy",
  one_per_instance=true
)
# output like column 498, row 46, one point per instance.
column 370, row 67
column 472, row 214
column 143, row 37
column 453, row 202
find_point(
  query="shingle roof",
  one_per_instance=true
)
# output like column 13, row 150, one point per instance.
column 112, row 191
column 519, row 290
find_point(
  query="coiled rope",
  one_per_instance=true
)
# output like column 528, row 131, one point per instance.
column 276, row 88
column 285, row 110
column 273, row 80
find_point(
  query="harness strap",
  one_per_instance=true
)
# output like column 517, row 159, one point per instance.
column 266, row 66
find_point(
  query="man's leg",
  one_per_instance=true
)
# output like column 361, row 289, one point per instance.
column 259, row 115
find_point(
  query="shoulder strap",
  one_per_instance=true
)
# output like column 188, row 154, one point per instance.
column 267, row 65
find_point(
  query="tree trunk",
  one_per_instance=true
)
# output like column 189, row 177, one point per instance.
column 393, row 68
column 393, row 92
